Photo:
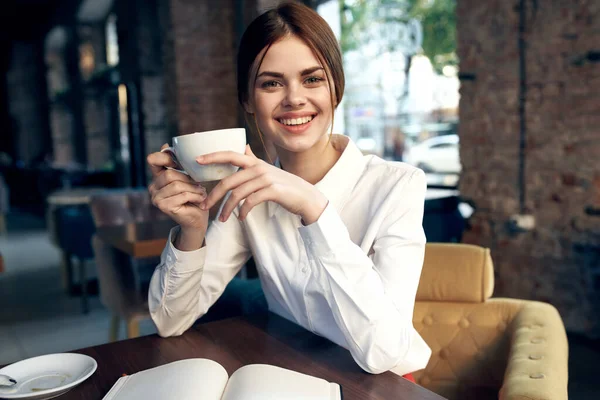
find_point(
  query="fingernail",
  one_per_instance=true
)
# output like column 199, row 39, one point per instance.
column 200, row 158
column 222, row 218
column 203, row 206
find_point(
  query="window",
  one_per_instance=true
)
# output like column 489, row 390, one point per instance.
column 401, row 68
column 112, row 43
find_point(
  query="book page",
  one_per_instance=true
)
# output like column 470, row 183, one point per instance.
column 262, row 382
column 191, row 379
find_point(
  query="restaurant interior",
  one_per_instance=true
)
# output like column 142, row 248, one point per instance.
column 496, row 101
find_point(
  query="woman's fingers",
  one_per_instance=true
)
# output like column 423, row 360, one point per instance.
column 159, row 161
column 229, row 183
column 180, row 202
column 255, row 199
column 242, row 192
column 228, row 157
column 170, row 175
column 176, row 187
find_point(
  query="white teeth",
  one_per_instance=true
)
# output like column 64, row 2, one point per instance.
column 296, row 121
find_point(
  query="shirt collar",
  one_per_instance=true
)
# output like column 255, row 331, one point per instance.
column 339, row 181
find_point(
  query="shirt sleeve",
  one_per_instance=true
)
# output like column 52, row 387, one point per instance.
column 187, row 283
column 372, row 296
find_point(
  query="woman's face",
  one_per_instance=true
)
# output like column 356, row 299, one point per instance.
column 291, row 98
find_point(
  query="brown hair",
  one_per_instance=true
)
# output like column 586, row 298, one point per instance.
column 287, row 19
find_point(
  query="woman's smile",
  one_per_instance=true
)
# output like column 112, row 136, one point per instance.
column 296, row 122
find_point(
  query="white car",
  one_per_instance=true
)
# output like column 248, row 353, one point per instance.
column 438, row 154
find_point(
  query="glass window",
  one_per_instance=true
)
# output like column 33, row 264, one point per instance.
column 112, row 43
column 401, row 68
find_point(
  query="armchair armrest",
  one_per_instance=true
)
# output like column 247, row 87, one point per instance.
column 538, row 360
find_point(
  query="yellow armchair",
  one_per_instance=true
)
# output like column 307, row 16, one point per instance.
column 483, row 347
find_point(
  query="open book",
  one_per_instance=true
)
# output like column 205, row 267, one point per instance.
column 200, row 378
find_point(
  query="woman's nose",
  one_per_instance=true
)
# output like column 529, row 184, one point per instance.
column 294, row 96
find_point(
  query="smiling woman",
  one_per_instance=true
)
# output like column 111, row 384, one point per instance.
column 291, row 102
column 312, row 88
column 336, row 236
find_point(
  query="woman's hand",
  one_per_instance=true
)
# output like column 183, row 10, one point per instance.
column 257, row 182
column 176, row 194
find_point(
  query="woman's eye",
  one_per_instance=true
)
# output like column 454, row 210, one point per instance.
column 312, row 80
column 270, row 84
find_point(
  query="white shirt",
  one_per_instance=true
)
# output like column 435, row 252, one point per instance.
column 351, row 276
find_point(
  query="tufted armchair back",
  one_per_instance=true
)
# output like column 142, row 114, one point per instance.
column 483, row 347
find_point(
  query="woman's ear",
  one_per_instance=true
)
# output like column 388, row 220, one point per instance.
column 248, row 107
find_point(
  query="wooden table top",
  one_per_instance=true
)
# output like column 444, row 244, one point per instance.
column 74, row 196
column 240, row 341
column 83, row 195
column 141, row 239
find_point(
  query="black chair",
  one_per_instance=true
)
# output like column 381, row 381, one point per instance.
column 75, row 228
column 442, row 220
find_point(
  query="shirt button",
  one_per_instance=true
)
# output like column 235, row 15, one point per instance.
column 305, row 269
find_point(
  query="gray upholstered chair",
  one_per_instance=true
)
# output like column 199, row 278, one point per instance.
column 4, row 205
column 119, row 291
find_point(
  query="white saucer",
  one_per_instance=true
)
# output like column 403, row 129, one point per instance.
column 48, row 376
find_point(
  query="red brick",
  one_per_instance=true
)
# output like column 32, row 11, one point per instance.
column 562, row 127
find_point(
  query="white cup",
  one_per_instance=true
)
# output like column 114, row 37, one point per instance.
column 187, row 148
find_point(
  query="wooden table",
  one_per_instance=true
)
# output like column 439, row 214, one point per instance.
column 139, row 240
column 142, row 239
column 77, row 198
column 235, row 342
column 73, row 196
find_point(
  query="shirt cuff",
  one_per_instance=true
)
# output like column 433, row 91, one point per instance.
column 182, row 260
column 325, row 234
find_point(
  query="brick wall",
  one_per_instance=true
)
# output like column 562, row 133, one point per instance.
column 168, row 59
column 61, row 118
column 204, row 45
column 264, row 5
column 94, row 103
column 153, row 80
column 559, row 121
column 27, row 104
column 199, row 53
column 97, row 129
column 61, row 124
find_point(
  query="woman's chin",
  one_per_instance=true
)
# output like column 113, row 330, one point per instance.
column 297, row 144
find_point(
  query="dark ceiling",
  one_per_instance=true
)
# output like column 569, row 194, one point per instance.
column 31, row 19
